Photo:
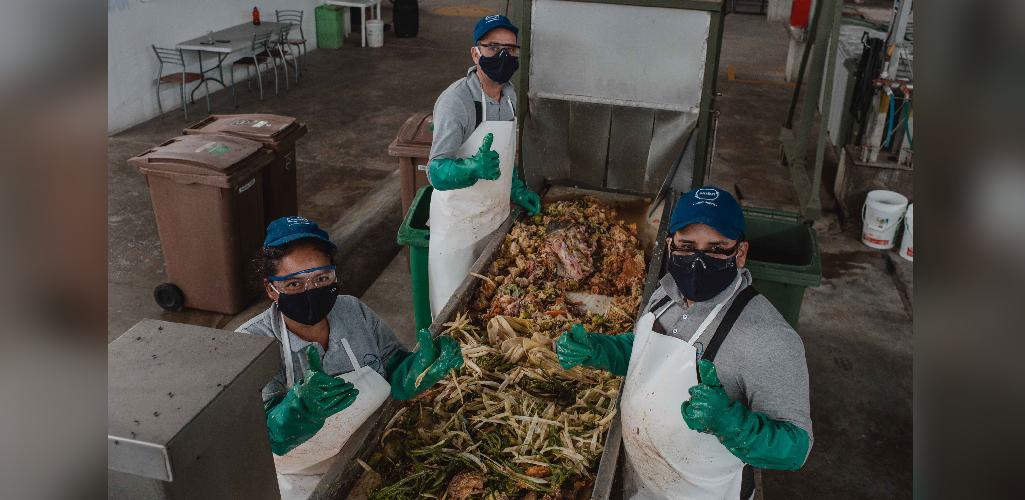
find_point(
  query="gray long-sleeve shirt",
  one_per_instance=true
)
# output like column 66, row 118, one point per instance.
column 761, row 362
column 455, row 117
column 371, row 341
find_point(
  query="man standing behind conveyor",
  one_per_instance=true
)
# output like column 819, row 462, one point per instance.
column 473, row 156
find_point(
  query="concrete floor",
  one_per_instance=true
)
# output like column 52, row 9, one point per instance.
column 857, row 326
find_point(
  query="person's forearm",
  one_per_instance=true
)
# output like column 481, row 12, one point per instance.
column 394, row 361
column 612, row 352
column 450, row 173
column 764, row 442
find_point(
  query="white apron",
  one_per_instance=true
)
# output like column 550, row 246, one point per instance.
column 460, row 219
column 664, row 457
column 300, row 470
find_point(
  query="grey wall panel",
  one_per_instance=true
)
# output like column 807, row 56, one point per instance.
column 546, row 141
column 588, row 142
column 629, row 141
column 667, row 142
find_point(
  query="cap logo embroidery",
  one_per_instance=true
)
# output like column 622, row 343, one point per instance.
column 706, row 196
column 493, row 17
column 297, row 220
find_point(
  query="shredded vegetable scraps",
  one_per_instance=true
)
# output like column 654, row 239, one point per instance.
column 512, row 423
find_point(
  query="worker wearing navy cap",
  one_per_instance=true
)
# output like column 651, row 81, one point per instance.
column 716, row 379
column 472, row 158
column 337, row 355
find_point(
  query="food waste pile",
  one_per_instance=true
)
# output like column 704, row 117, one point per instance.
column 512, row 423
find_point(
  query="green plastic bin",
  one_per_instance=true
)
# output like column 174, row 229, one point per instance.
column 415, row 234
column 330, row 21
column 783, row 259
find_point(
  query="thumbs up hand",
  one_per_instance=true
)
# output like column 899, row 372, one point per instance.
column 485, row 162
column 708, row 401
column 321, row 394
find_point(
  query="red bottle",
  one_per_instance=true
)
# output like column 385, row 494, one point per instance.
column 800, row 10
column 256, row 16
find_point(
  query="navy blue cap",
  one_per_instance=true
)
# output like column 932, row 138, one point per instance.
column 488, row 23
column 711, row 206
column 286, row 229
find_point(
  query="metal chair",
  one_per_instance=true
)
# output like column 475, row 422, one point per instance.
column 175, row 57
column 294, row 18
column 259, row 54
column 278, row 49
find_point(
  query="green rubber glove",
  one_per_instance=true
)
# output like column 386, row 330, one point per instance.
column 301, row 413
column 436, row 357
column 607, row 352
column 752, row 437
column 458, row 173
column 524, row 196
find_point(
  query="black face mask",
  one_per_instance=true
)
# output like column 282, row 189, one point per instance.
column 310, row 306
column 499, row 68
column 701, row 277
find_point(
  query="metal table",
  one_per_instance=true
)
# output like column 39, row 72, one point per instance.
column 363, row 5
column 222, row 44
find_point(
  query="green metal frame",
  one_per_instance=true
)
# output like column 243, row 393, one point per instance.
column 820, row 55
column 717, row 11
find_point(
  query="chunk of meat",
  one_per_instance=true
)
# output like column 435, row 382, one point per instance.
column 574, row 250
column 466, row 484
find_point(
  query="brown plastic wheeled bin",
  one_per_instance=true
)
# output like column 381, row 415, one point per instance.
column 278, row 134
column 413, row 148
column 207, row 193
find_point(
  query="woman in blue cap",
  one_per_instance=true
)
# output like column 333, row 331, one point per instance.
column 331, row 345
column 472, row 158
column 716, row 379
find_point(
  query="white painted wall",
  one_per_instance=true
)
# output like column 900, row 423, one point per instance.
column 132, row 25
column 778, row 11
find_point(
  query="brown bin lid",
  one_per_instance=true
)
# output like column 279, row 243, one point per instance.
column 258, row 127
column 415, row 137
column 208, row 159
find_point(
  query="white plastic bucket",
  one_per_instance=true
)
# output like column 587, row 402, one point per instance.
column 906, row 242
column 881, row 215
column 375, row 33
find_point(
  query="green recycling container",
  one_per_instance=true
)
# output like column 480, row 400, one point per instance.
column 784, row 258
column 415, row 234
column 330, row 21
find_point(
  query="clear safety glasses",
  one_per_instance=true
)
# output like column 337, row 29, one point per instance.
column 492, row 49
column 307, row 279
column 688, row 249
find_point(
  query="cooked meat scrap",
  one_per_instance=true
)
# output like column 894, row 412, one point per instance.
column 466, row 484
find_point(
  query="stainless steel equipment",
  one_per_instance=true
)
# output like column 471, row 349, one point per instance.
column 184, row 414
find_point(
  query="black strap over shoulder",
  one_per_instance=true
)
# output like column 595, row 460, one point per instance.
column 659, row 304
column 480, row 113
column 747, row 483
column 728, row 319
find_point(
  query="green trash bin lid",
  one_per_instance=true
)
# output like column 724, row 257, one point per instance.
column 414, row 231
column 783, row 248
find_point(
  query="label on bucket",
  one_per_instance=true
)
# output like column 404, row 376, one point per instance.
column 875, row 241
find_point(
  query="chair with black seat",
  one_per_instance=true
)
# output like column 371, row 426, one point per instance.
column 259, row 55
column 294, row 18
column 175, row 57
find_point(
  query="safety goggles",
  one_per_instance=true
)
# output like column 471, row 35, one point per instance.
column 688, row 249
column 492, row 49
column 307, row 279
